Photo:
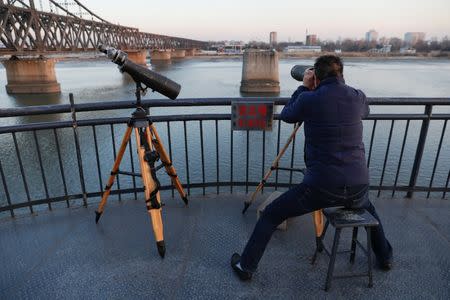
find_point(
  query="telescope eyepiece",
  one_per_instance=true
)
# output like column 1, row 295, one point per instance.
column 115, row 55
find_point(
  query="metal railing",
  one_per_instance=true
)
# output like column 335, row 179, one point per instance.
column 64, row 161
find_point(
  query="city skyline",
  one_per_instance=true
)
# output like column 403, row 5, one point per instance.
column 253, row 20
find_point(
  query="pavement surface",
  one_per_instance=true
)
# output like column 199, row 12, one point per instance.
column 63, row 255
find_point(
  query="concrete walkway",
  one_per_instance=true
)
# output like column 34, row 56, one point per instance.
column 63, row 254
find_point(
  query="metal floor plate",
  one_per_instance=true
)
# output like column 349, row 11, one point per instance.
column 63, row 254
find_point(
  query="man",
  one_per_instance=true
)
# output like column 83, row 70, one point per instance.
column 336, row 175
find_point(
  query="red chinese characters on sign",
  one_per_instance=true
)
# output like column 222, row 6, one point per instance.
column 255, row 115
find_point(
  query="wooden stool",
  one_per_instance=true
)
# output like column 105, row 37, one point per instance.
column 341, row 218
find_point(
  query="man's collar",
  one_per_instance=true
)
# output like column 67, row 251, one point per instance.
column 329, row 80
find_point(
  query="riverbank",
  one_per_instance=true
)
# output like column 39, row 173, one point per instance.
column 365, row 55
column 282, row 55
column 370, row 55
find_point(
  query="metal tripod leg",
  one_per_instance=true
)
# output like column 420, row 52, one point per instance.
column 113, row 175
column 165, row 159
column 152, row 195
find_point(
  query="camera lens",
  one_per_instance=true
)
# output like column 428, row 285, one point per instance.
column 298, row 71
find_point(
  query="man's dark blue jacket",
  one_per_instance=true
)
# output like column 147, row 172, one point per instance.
column 331, row 114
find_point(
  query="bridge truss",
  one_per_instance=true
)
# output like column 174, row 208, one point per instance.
column 69, row 26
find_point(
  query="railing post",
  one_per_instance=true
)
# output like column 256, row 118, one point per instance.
column 419, row 151
column 77, row 147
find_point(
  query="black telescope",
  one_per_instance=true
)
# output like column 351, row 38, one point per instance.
column 298, row 71
column 140, row 74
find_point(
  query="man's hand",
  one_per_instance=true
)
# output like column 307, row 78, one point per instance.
column 309, row 79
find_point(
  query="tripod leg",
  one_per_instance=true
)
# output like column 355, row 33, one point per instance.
column 165, row 159
column 113, row 175
column 274, row 166
column 152, row 196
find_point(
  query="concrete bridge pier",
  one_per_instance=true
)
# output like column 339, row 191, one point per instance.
column 138, row 56
column 160, row 55
column 190, row 52
column 178, row 53
column 31, row 76
column 260, row 72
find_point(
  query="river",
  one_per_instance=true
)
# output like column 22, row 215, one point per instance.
column 99, row 80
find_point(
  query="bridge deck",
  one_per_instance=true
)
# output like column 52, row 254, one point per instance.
column 63, row 254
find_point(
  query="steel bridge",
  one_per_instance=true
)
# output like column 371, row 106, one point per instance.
column 69, row 26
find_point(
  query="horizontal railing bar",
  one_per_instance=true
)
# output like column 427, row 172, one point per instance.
column 407, row 101
column 396, row 117
column 181, row 118
column 109, row 121
column 290, row 169
column 403, row 117
column 111, row 105
column 69, row 197
column 129, row 173
column 407, row 188
column 199, row 186
column 440, row 117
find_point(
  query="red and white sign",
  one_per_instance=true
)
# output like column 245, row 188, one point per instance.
column 252, row 115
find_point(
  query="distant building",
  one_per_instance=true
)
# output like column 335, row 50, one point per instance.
column 273, row 38
column 383, row 50
column 386, row 49
column 407, row 50
column 233, row 47
column 302, row 49
column 412, row 38
column 311, row 40
column 227, row 47
column 371, row 36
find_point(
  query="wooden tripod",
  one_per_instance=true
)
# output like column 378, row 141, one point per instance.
column 150, row 149
column 317, row 215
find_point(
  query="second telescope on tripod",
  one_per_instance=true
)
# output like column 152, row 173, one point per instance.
column 150, row 79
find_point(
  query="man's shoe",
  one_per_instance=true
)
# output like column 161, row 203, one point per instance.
column 385, row 265
column 243, row 275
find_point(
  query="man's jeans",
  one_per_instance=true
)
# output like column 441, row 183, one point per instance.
column 303, row 199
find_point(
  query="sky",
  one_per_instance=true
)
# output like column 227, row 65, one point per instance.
column 253, row 19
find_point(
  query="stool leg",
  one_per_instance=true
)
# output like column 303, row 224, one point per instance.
column 337, row 236
column 353, row 249
column 369, row 255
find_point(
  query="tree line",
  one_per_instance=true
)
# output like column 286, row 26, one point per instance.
column 361, row 45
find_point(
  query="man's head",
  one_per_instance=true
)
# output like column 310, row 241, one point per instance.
column 328, row 66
